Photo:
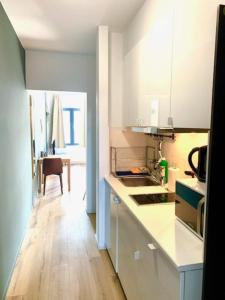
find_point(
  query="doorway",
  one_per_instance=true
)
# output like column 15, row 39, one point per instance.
column 73, row 107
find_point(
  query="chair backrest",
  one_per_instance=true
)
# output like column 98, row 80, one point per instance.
column 52, row 166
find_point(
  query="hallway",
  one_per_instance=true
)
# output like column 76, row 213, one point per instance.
column 59, row 257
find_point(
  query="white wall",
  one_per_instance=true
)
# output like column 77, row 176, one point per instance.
column 39, row 119
column 116, row 79
column 55, row 71
column 39, row 132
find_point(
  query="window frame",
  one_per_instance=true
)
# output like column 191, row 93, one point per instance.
column 72, row 111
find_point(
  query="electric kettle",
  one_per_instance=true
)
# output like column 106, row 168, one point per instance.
column 200, row 169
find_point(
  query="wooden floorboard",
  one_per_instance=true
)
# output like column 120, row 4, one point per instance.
column 59, row 259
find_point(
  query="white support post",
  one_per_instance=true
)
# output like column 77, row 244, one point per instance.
column 102, row 138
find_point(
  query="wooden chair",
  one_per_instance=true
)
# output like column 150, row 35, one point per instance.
column 52, row 166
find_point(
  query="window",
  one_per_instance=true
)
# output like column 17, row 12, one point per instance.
column 71, row 118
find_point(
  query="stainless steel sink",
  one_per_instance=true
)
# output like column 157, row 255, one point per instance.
column 138, row 181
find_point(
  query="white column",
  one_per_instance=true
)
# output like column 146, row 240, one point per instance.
column 102, row 138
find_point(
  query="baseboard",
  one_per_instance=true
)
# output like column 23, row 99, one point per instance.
column 91, row 211
column 18, row 252
column 100, row 247
column 36, row 199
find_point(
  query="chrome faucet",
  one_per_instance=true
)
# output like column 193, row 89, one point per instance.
column 155, row 172
column 159, row 171
column 157, row 168
column 156, row 165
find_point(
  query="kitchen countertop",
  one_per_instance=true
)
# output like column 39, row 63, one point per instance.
column 183, row 248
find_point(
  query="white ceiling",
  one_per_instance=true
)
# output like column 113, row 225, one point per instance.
column 67, row 25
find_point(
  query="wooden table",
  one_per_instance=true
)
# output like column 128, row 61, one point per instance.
column 66, row 162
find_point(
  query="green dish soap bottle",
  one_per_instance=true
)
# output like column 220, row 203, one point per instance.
column 164, row 169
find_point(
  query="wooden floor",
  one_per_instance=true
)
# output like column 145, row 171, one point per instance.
column 59, row 257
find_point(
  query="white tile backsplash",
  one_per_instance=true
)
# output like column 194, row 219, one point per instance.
column 176, row 152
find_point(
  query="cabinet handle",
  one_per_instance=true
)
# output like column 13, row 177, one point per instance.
column 117, row 200
column 137, row 255
column 199, row 215
column 152, row 247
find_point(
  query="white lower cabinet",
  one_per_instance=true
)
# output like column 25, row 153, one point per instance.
column 158, row 279
column 112, row 238
column 144, row 270
column 128, row 253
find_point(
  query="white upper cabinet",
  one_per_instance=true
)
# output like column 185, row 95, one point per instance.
column 147, row 65
column 193, row 62
column 169, row 52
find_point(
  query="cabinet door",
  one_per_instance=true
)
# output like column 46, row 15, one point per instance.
column 148, row 69
column 127, row 246
column 145, row 273
column 193, row 62
column 112, row 243
column 157, row 277
column 148, row 283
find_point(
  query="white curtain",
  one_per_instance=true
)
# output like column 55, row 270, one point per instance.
column 57, row 124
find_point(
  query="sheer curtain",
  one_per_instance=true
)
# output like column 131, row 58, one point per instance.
column 57, row 124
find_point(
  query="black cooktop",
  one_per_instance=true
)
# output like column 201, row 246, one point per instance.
column 154, row 198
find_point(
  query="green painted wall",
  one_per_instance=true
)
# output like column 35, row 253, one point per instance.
column 15, row 163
